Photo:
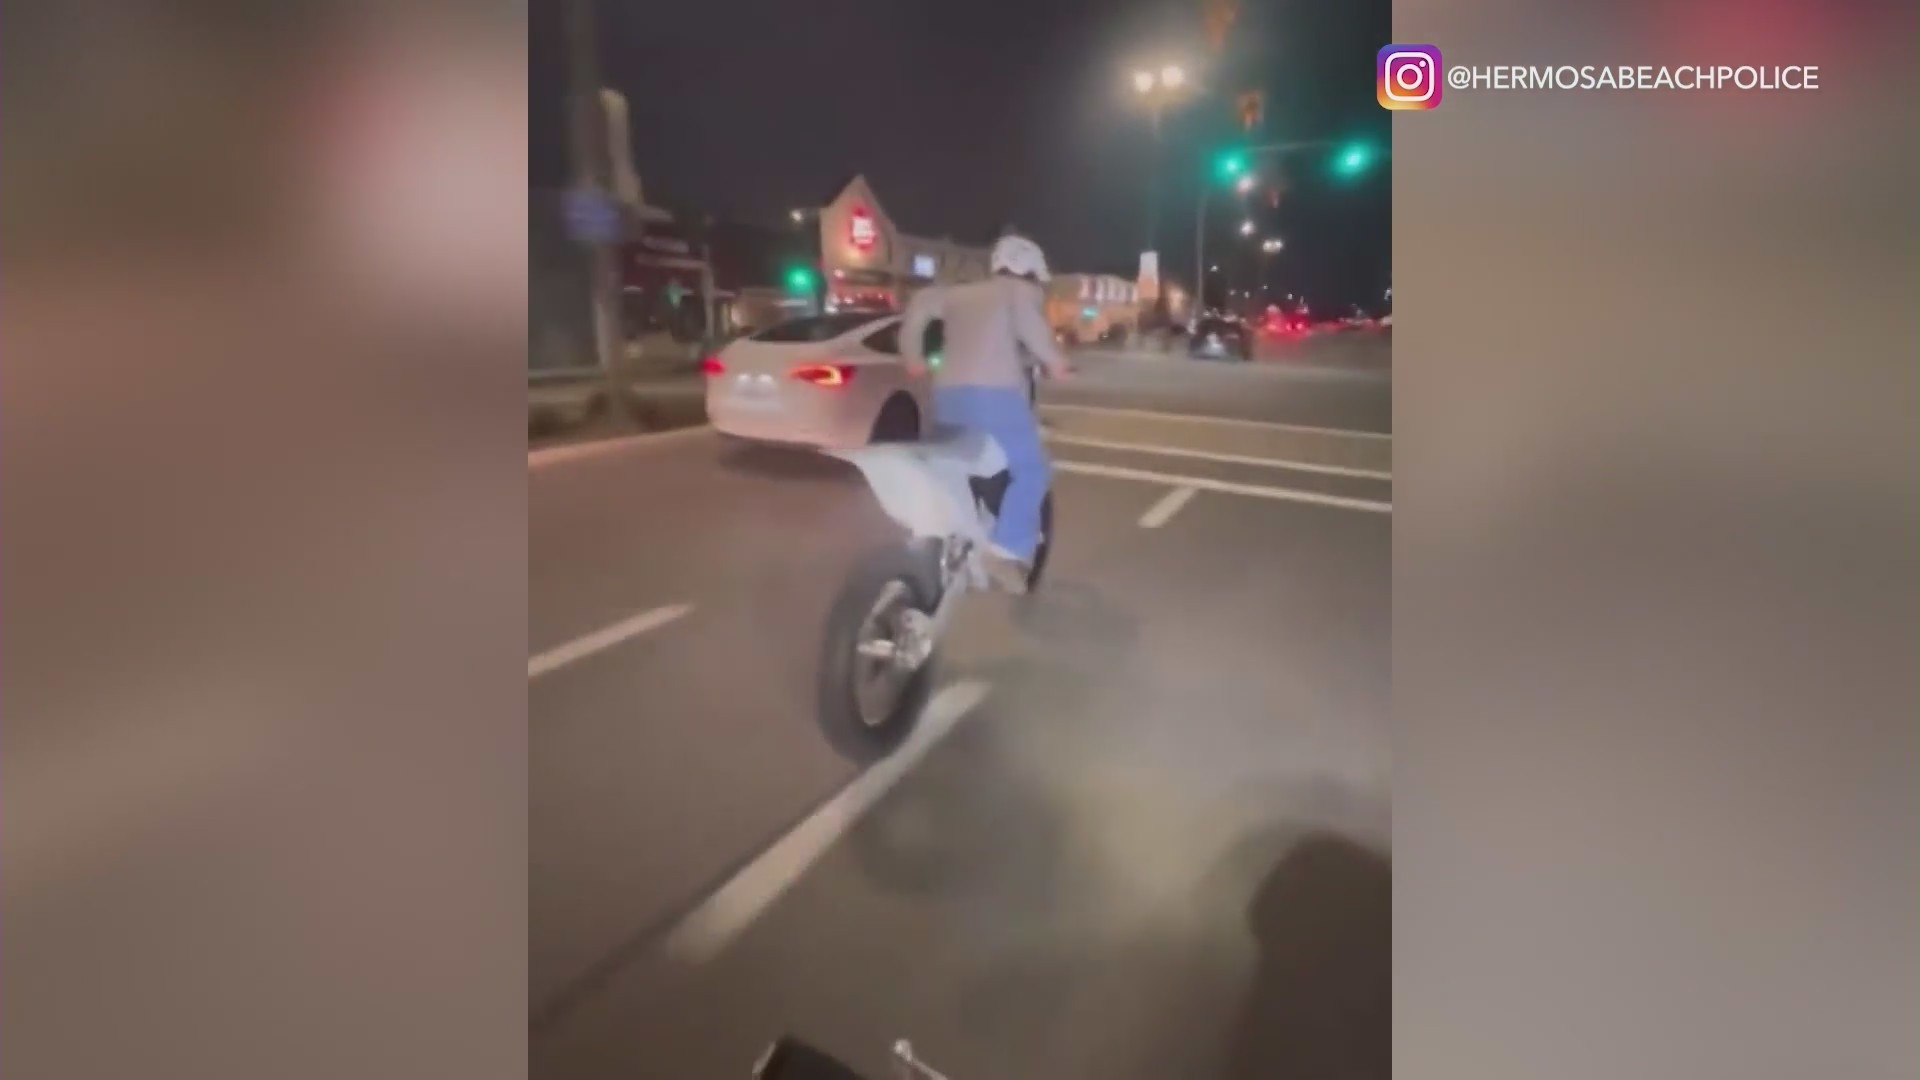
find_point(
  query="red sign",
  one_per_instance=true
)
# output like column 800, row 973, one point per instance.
column 861, row 230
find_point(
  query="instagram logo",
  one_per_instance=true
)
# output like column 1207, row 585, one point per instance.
column 1408, row 77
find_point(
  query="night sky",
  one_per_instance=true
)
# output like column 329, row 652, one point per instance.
column 971, row 116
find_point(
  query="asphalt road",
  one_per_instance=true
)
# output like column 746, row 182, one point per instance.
column 1153, row 841
column 1337, row 380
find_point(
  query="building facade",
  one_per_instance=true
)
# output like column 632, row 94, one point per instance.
column 1087, row 307
column 867, row 262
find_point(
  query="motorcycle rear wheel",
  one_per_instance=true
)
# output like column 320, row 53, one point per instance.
column 868, row 703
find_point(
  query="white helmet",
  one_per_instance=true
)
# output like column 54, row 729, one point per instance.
column 1019, row 255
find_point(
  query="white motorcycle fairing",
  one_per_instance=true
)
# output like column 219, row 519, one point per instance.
column 924, row 486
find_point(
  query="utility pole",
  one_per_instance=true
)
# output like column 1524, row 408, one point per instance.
column 593, row 172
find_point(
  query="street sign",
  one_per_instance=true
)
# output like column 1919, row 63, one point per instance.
column 592, row 216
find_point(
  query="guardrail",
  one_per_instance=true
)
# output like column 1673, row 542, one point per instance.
column 561, row 399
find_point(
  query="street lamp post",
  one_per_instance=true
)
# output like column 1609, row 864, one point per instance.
column 1157, row 89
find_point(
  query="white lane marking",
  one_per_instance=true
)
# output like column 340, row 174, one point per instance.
column 1258, row 491
column 723, row 916
column 1225, row 421
column 1227, row 459
column 1162, row 512
column 604, row 638
column 555, row 455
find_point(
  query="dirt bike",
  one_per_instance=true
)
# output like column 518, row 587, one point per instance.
column 791, row 1059
column 876, row 668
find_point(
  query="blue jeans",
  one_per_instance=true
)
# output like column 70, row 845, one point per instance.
column 1007, row 415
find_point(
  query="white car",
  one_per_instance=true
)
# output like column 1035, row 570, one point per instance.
column 831, row 381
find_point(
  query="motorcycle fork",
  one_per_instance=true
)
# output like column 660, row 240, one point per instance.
column 956, row 569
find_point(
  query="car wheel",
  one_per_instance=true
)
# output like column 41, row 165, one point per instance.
column 899, row 421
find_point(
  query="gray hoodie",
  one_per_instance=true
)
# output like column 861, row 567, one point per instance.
column 988, row 325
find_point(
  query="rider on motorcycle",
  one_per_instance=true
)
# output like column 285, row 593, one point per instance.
column 981, row 384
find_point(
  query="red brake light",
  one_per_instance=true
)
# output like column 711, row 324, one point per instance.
column 712, row 366
column 824, row 374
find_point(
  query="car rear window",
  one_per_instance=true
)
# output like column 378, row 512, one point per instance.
column 887, row 339
column 816, row 328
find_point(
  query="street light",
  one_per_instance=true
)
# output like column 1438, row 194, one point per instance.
column 1160, row 86
column 798, row 216
column 1246, row 228
column 1245, row 185
column 1157, row 92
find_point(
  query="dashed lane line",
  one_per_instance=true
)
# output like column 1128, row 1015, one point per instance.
column 1162, row 511
column 1202, row 483
column 604, row 638
column 1222, row 458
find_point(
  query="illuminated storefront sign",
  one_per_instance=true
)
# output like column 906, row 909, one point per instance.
column 861, row 230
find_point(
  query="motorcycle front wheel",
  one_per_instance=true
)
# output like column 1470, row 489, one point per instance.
column 876, row 668
column 1045, row 549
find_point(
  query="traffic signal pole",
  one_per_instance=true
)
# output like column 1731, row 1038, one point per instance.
column 1289, row 147
column 1200, row 210
column 1200, row 253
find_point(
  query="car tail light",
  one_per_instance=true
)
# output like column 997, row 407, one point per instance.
column 712, row 366
column 824, row 374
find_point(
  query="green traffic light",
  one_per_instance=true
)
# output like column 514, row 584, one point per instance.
column 1232, row 164
column 1353, row 160
column 800, row 279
